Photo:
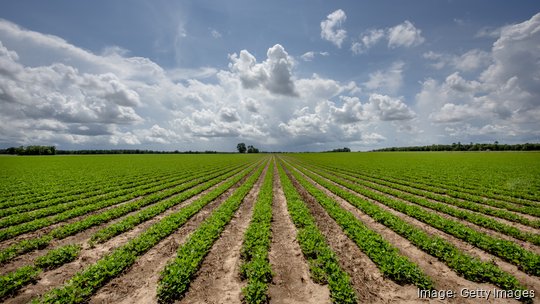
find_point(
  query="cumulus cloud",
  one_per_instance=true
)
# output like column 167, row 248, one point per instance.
column 351, row 111
column 469, row 61
column 274, row 74
column 389, row 80
column 388, row 108
column 401, row 35
column 404, row 35
column 505, row 94
column 368, row 40
column 62, row 93
column 331, row 28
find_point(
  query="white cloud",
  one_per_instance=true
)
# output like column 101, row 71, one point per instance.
column 368, row 40
column 352, row 111
column 404, row 35
column 389, row 80
column 388, row 108
column 309, row 56
column 274, row 74
column 471, row 60
column 215, row 33
column 401, row 35
column 506, row 94
column 331, row 28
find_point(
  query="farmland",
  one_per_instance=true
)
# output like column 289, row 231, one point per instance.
column 257, row 228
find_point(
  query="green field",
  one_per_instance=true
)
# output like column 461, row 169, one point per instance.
column 421, row 221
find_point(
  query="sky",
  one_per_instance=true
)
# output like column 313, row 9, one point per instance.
column 306, row 75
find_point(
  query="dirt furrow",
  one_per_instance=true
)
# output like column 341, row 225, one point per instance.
column 519, row 226
column 529, row 281
column 218, row 281
column 43, row 231
column 524, row 244
column 138, row 284
column 88, row 255
column 292, row 282
column 443, row 277
column 367, row 280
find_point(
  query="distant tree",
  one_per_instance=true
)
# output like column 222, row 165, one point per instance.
column 345, row 149
column 252, row 149
column 241, row 147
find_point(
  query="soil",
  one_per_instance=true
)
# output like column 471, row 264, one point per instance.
column 529, row 281
column 291, row 283
column 50, row 279
column 139, row 283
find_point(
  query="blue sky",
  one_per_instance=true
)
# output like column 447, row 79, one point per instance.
column 281, row 75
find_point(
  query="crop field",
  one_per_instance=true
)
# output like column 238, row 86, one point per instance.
column 280, row 228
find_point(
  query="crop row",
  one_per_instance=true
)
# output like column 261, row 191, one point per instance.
column 465, row 265
column 72, row 228
column 323, row 263
column 183, row 196
column 106, row 192
column 453, row 201
column 479, row 194
column 76, row 192
column 472, row 217
column 387, row 257
column 148, row 213
column 456, row 196
column 44, row 222
column 83, row 284
column 58, row 208
column 527, row 261
column 255, row 267
column 175, row 278
column 483, row 189
column 13, row 281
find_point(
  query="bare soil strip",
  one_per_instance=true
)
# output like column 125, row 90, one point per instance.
column 367, row 280
column 139, row 283
column 524, row 244
column 43, row 231
column 443, row 277
column 504, row 221
column 529, row 281
column 292, row 283
column 89, row 255
column 218, row 281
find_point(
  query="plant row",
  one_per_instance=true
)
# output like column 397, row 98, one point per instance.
column 469, row 216
column 323, row 264
column 92, row 220
column 469, row 267
column 391, row 263
column 111, row 189
column 527, row 261
column 473, row 187
column 13, row 281
column 83, row 284
column 131, row 221
column 175, row 278
column 255, row 266
column 451, row 195
column 158, row 194
column 453, row 201
column 465, row 191
column 77, row 192
column 58, row 208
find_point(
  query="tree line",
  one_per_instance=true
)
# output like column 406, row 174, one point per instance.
column 467, row 147
column 51, row 150
column 30, row 150
column 241, row 147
